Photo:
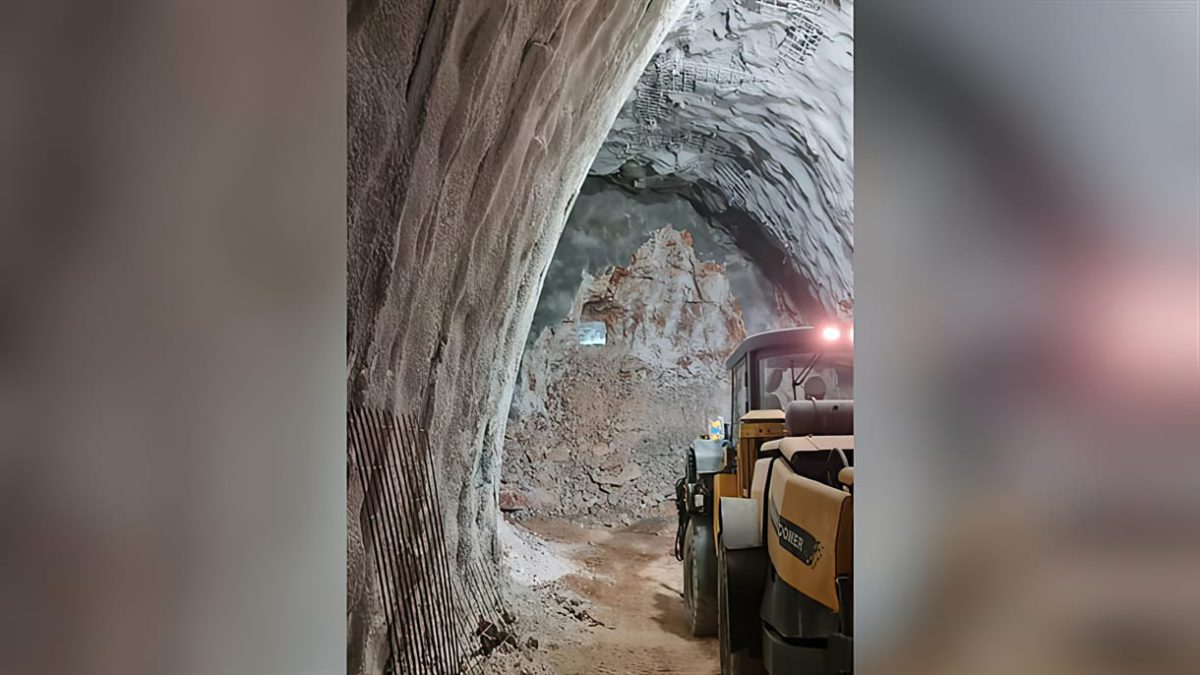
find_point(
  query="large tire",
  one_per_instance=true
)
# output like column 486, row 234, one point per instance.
column 740, row 628
column 700, row 579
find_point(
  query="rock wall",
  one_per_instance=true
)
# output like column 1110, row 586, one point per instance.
column 471, row 125
column 599, row 429
column 607, row 225
column 747, row 109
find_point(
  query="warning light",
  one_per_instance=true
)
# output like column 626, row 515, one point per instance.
column 831, row 333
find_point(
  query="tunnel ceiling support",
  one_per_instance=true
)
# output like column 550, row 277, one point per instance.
column 471, row 125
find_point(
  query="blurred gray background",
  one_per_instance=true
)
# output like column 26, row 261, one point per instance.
column 1027, row 267
column 172, row 340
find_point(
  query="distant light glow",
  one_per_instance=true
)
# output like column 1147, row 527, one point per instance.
column 592, row 333
column 831, row 333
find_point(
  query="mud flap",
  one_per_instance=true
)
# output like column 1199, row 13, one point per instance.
column 745, row 576
column 742, row 573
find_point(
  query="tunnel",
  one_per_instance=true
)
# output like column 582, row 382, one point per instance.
column 562, row 215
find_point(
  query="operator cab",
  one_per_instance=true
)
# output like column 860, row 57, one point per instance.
column 771, row 369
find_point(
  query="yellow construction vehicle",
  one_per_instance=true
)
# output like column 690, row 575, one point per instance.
column 765, row 512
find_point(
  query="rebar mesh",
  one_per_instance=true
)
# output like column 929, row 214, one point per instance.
column 441, row 617
column 803, row 34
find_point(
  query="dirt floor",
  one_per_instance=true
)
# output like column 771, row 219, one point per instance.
column 624, row 606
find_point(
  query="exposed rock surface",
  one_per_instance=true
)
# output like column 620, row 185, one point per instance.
column 470, row 127
column 748, row 110
column 608, row 223
column 599, row 429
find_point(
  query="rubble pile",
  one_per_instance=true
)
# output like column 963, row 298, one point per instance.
column 598, row 430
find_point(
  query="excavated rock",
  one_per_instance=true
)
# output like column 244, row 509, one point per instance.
column 471, row 125
column 606, row 226
column 600, row 429
column 747, row 109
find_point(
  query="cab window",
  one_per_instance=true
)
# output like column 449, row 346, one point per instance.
column 741, row 392
column 783, row 378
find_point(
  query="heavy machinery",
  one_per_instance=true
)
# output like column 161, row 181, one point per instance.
column 765, row 508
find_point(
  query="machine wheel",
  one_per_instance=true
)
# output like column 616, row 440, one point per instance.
column 739, row 626
column 700, row 580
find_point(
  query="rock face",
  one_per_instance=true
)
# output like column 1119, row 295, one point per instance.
column 471, row 125
column 748, row 110
column 607, row 225
column 599, row 429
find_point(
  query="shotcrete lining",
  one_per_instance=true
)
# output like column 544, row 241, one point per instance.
column 466, row 144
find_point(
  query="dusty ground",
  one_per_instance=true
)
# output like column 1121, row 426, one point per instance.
column 620, row 613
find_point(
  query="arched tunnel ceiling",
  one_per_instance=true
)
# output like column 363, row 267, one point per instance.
column 748, row 109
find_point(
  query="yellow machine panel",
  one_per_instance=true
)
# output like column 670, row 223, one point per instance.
column 809, row 534
column 756, row 428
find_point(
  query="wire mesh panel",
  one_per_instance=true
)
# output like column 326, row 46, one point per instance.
column 786, row 7
column 801, row 41
column 804, row 33
column 440, row 617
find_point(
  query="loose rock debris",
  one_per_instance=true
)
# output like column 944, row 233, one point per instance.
column 492, row 637
column 598, row 431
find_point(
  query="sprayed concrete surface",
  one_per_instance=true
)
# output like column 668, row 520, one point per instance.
column 470, row 126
